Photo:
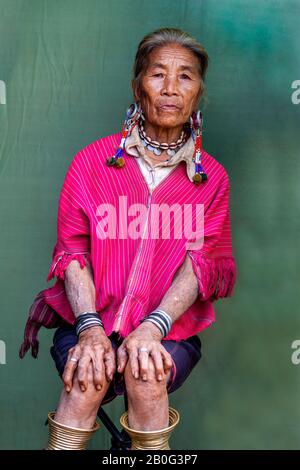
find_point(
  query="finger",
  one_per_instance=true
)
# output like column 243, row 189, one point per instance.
column 158, row 364
column 122, row 358
column 98, row 368
column 82, row 371
column 110, row 364
column 134, row 362
column 167, row 359
column 70, row 368
column 144, row 362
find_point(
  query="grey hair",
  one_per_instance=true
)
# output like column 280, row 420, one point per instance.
column 163, row 37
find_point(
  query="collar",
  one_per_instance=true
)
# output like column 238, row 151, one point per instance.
column 135, row 148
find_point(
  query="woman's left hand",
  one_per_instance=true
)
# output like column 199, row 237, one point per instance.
column 147, row 336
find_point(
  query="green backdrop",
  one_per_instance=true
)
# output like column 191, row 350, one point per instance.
column 67, row 68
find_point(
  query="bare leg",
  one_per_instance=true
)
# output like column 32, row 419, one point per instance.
column 79, row 409
column 148, row 403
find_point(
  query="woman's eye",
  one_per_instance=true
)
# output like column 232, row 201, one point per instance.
column 160, row 75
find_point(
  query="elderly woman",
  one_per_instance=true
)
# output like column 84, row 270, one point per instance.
column 135, row 282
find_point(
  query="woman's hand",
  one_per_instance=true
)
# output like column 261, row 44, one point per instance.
column 148, row 336
column 93, row 346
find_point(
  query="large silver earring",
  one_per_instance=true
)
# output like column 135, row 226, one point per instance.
column 133, row 114
column 196, row 121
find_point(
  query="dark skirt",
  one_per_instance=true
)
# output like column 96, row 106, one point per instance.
column 185, row 355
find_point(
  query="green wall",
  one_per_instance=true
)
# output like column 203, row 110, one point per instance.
column 67, row 66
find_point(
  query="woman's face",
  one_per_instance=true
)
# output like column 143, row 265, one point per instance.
column 170, row 87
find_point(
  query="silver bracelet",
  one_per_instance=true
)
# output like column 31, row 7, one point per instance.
column 161, row 319
column 87, row 320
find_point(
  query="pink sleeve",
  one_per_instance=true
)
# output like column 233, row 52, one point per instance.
column 73, row 239
column 214, row 264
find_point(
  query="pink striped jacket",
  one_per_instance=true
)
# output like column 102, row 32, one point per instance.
column 133, row 273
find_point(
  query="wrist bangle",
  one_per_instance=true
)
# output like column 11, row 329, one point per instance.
column 87, row 320
column 161, row 319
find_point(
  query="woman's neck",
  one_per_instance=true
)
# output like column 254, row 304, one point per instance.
column 165, row 135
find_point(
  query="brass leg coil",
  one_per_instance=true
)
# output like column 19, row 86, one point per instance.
column 151, row 440
column 62, row 437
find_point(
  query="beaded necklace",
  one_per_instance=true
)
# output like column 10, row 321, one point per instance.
column 134, row 115
column 156, row 147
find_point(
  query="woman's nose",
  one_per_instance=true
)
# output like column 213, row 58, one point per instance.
column 170, row 85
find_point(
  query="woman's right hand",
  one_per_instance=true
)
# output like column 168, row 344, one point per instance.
column 93, row 347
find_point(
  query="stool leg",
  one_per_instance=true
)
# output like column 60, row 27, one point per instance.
column 125, row 401
column 119, row 440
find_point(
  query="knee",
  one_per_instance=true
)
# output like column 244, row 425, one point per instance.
column 91, row 397
column 141, row 390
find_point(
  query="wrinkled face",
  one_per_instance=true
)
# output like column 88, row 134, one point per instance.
column 170, row 87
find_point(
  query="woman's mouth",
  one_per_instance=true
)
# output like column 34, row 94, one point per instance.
column 169, row 107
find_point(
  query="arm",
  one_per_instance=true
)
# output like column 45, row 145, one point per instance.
column 70, row 264
column 93, row 344
column 80, row 289
column 182, row 293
